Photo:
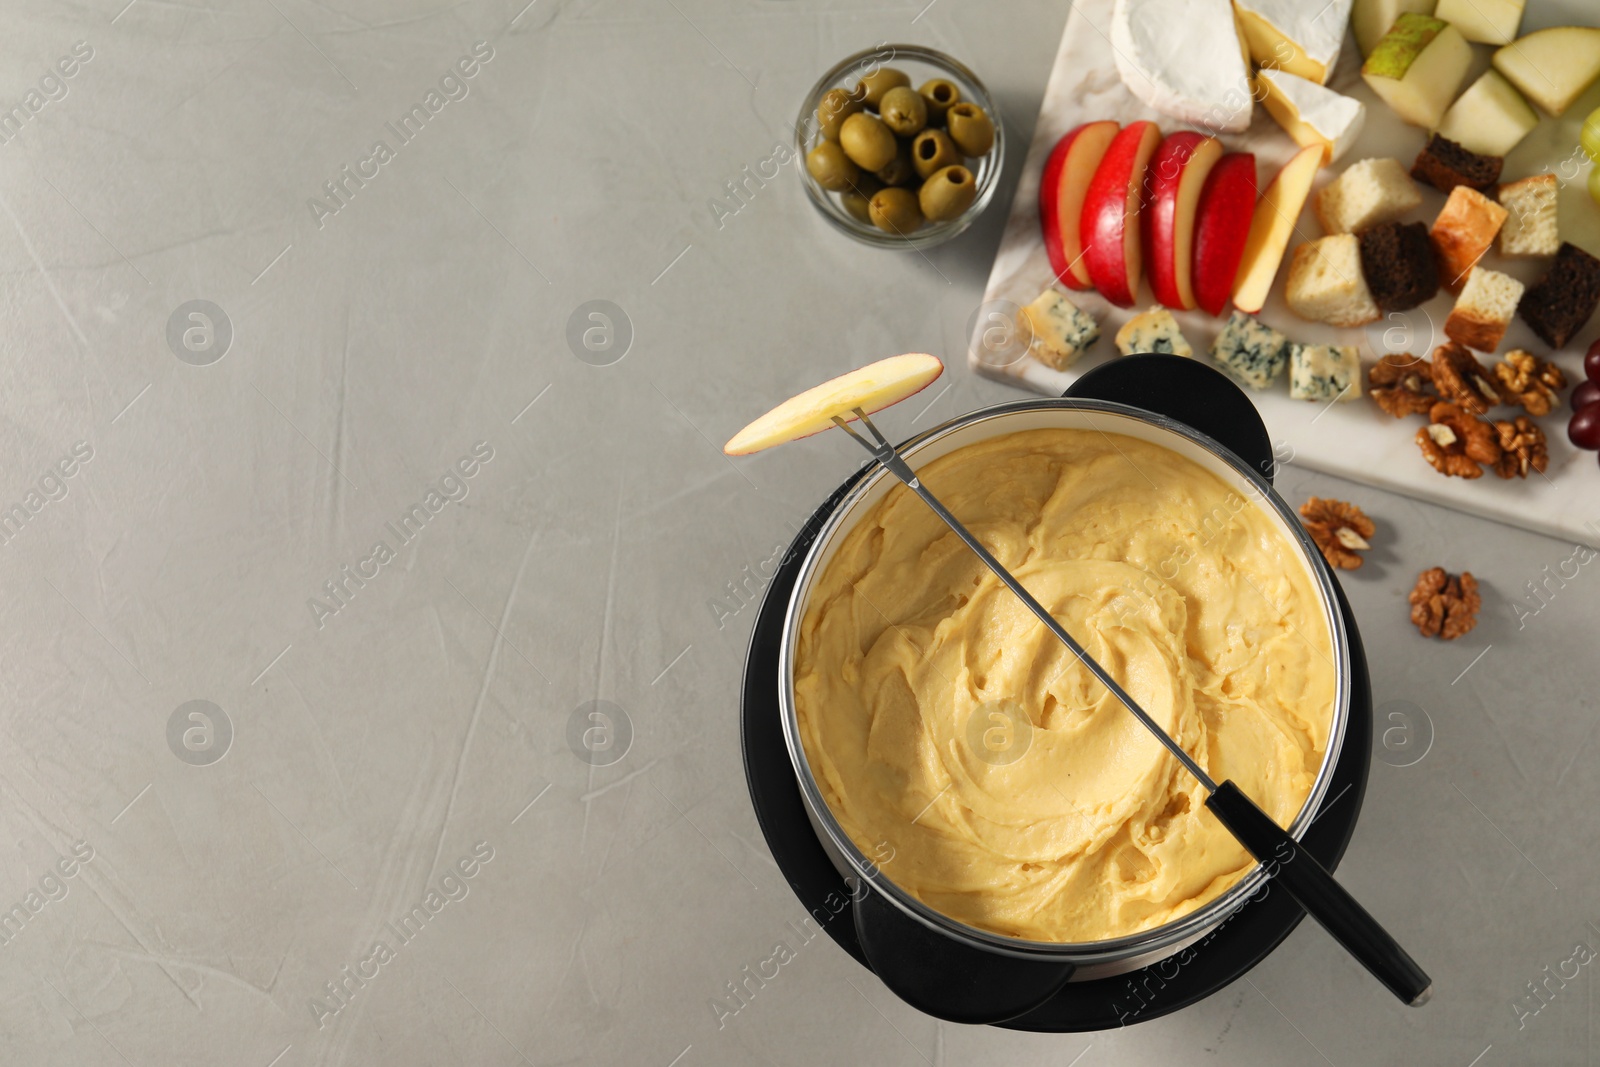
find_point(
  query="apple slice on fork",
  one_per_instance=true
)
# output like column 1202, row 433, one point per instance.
column 870, row 388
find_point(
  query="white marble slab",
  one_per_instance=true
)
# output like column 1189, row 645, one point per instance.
column 1355, row 440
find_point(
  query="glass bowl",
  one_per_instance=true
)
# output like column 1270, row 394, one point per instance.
column 920, row 64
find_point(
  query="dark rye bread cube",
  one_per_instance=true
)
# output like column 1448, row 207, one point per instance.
column 1398, row 262
column 1444, row 165
column 1558, row 305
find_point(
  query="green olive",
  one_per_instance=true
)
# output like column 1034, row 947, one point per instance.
column 970, row 128
column 857, row 205
column 933, row 150
column 831, row 168
column 874, row 85
column 855, row 198
column 895, row 211
column 938, row 94
column 900, row 170
column 836, row 106
column 947, row 193
column 903, row 111
column 867, row 142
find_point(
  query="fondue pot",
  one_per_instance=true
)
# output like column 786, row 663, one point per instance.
column 967, row 974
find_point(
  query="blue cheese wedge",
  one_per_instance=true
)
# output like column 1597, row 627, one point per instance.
column 1060, row 330
column 1254, row 352
column 1324, row 372
column 1152, row 331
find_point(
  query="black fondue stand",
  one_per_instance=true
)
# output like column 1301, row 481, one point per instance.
column 1192, row 393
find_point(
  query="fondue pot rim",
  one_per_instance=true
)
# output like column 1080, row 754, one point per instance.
column 1145, row 943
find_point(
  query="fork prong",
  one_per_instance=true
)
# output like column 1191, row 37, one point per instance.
column 883, row 442
column 847, row 428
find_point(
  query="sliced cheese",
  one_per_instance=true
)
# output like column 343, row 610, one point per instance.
column 1300, row 36
column 1311, row 113
column 1185, row 59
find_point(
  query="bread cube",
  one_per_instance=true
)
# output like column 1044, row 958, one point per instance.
column 1531, row 227
column 1367, row 193
column 1326, row 283
column 1560, row 303
column 1463, row 232
column 1484, row 309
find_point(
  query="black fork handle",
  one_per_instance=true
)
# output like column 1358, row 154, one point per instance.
column 1298, row 873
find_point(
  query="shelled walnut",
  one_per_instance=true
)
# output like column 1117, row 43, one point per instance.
column 1460, row 378
column 1444, row 605
column 1402, row 384
column 1530, row 381
column 1522, row 448
column 1457, row 443
column 1340, row 530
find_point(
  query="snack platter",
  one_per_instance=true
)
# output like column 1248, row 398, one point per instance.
column 1353, row 438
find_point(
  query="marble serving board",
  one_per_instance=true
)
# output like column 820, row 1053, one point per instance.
column 1353, row 439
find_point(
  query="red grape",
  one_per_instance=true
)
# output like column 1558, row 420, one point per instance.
column 1591, row 362
column 1584, row 429
column 1585, row 394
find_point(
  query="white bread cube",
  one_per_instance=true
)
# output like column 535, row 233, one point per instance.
column 1326, row 283
column 1367, row 193
column 1484, row 309
column 1531, row 227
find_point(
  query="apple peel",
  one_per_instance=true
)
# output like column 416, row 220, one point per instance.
column 870, row 388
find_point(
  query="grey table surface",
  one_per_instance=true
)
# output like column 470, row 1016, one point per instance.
column 186, row 880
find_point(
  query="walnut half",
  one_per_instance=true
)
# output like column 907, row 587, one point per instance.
column 1457, row 443
column 1460, row 378
column 1444, row 605
column 1530, row 381
column 1402, row 384
column 1522, row 448
column 1340, row 530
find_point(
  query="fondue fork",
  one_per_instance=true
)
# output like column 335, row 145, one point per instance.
column 1289, row 865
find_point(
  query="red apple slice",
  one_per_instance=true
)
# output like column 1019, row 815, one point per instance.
column 1176, row 175
column 1067, row 173
column 1110, row 221
column 870, row 388
column 1222, row 226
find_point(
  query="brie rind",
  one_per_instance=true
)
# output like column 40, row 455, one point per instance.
column 1184, row 58
column 1300, row 36
column 1312, row 113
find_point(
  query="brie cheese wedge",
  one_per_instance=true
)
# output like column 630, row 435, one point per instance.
column 1300, row 36
column 1184, row 58
column 1311, row 113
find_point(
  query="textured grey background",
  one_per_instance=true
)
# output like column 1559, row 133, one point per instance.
column 371, row 754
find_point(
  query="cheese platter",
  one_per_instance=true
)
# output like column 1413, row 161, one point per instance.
column 1272, row 186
